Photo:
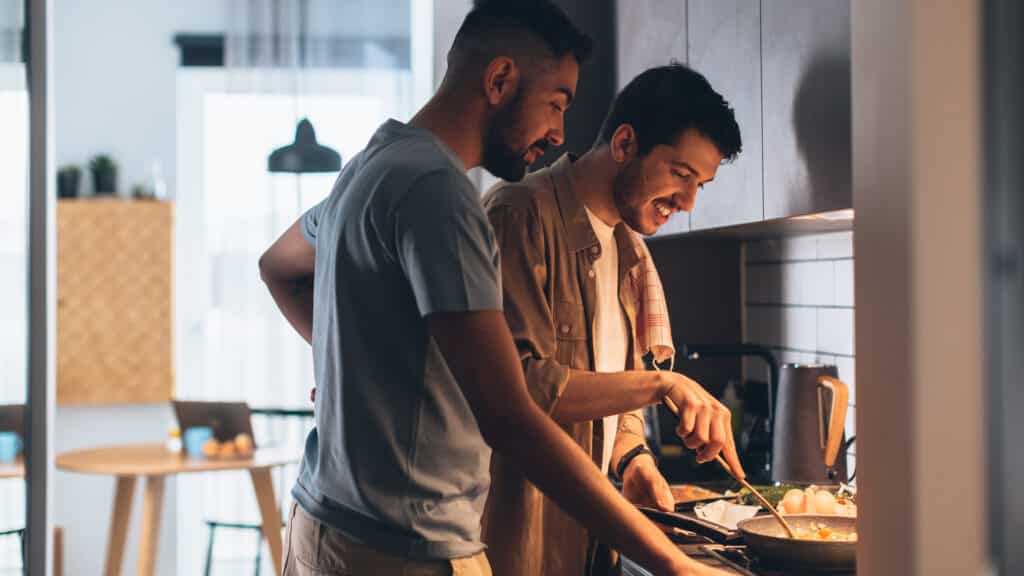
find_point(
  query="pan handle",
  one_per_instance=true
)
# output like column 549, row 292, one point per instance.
column 836, row 416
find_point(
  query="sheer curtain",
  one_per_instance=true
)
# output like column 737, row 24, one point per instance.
column 347, row 67
column 13, row 258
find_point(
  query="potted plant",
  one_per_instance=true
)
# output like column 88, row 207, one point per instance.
column 68, row 178
column 104, row 175
column 141, row 192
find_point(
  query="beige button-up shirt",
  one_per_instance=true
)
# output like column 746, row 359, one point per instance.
column 548, row 249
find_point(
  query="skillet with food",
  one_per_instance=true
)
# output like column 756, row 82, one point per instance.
column 824, row 543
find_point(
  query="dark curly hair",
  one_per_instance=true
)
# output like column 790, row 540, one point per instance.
column 663, row 102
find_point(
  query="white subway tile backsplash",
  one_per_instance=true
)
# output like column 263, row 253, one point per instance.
column 792, row 357
column 844, row 282
column 764, row 283
column 835, row 245
column 808, row 283
column 799, row 248
column 761, row 251
column 835, row 330
column 783, row 327
column 801, row 303
column 782, row 249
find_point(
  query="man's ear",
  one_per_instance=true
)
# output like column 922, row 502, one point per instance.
column 501, row 80
column 623, row 143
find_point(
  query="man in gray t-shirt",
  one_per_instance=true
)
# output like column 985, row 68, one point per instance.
column 403, row 235
column 394, row 280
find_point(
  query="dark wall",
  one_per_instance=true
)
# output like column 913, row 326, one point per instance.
column 596, row 87
column 702, row 285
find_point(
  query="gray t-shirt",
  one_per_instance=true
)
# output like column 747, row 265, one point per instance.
column 396, row 461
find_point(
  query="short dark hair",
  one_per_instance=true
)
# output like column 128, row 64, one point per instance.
column 541, row 18
column 663, row 102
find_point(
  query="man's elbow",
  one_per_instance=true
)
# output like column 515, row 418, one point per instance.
column 504, row 427
column 265, row 268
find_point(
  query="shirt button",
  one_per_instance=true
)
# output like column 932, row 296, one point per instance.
column 591, row 273
column 564, row 328
column 595, row 250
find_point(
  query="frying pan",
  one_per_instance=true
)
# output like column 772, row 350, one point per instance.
column 765, row 538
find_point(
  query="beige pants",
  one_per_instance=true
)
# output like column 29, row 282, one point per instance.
column 312, row 549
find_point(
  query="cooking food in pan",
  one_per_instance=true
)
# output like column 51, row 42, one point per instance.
column 686, row 493
column 821, row 532
column 812, row 500
column 829, row 544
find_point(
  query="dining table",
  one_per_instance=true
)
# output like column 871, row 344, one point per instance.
column 154, row 463
column 15, row 469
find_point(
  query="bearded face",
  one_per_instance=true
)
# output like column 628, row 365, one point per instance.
column 650, row 188
column 507, row 149
column 532, row 120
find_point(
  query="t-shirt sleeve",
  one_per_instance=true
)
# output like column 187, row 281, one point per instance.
column 446, row 247
column 310, row 222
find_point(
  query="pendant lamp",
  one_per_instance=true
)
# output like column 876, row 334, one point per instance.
column 305, row 154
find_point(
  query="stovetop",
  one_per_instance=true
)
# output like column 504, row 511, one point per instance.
column 736, row 559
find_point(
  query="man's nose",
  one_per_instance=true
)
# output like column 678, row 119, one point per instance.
column 557, row 135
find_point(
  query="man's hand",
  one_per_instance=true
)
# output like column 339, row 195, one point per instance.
column 643, row 484
column 705, row 424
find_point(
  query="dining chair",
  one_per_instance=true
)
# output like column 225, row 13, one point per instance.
column 271, row 426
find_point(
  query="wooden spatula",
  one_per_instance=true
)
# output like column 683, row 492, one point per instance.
column 764, row 501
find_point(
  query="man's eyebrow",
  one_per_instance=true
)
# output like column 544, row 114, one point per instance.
column 568, row 95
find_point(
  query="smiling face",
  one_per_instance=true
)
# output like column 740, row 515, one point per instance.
column 653, row 187
column 532, row 120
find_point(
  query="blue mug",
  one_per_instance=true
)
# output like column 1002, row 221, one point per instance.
column 194, row 438
column 10, row 445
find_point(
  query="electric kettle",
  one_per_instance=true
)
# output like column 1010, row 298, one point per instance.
column 810, row 418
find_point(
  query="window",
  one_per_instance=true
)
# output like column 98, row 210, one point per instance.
column 232, row 343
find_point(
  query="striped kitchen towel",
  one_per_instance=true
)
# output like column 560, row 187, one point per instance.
column 653, row 332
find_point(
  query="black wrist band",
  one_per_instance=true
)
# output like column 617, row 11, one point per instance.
column 629, row 456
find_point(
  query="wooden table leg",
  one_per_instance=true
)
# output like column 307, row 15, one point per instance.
column 152, row 507
column 58, row 551
column 264, row 487
column 123, row 495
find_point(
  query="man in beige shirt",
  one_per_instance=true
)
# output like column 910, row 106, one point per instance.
column 569, row 249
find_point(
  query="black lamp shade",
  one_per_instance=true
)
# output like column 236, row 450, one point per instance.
column 305, row 154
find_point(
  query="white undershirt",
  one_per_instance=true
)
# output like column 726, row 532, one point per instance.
column 611, row 334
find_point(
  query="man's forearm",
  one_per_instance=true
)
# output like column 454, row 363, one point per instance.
column 294, row 298
column 567, row 476
column 491, row 379
column 630, row 434
column 593, row 395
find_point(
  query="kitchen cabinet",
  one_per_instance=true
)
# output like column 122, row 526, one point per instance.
column 651, row 33
column 724, row 45
column 784, row 66
column 805, row 64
